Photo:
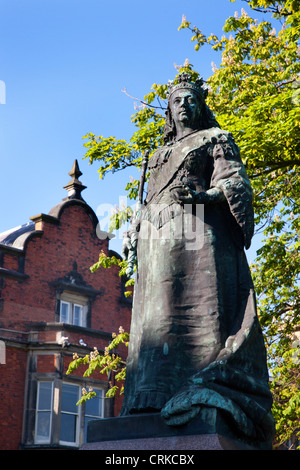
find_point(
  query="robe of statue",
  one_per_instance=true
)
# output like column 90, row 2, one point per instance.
column 195, row 339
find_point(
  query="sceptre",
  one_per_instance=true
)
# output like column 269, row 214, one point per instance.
column 143, row 176
column 132, row 234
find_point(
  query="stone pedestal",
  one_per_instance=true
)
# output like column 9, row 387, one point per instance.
column 149, row 432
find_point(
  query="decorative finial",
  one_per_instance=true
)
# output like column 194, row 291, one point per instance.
column 75, row 172
column 74, row 187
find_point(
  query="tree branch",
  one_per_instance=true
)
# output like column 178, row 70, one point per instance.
column 143, row 102
column 275, row 166
column 273, row 10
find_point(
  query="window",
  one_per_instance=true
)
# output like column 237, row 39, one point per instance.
column 71, row 313
column 69, row 414
column 70, row 426
column 73, row 308
column 44, row 412
column 93, row 409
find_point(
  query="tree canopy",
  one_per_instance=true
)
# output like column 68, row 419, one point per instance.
column 254, row 93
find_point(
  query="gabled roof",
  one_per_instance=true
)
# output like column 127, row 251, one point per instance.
column 17, row 237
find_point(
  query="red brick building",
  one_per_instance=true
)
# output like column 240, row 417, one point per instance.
column 52, row 306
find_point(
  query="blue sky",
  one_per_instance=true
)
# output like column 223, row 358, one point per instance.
column 64, row 64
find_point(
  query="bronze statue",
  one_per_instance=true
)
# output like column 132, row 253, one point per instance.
column 195, row 339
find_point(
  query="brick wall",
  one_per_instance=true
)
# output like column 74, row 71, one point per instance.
column 31, row 298
column 50, row 257
column 12, row 388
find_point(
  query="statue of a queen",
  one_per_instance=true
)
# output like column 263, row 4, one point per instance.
column 195, row 339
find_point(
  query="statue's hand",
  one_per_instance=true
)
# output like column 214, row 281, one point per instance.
column 129, row 271
column 190, row 197
column 131, row 251
column 187, row 195
column 184, row 195
column 212, row 196
column 125, row 247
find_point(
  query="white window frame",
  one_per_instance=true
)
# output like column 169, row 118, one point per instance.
column 72, row 303
column 78, row 417
column 94, row 417
column 61, row 316
column 80, row 323
column 39, row 439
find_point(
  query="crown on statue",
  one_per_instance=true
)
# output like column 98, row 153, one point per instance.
column 184, row 80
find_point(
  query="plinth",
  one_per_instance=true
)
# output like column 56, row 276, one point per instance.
column 208, row 431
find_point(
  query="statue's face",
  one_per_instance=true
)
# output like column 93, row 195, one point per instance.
column 185, row 109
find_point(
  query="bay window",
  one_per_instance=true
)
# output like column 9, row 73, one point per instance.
column 69, row 414
column 72, row 420
column 44, row 412
column 94, row 409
